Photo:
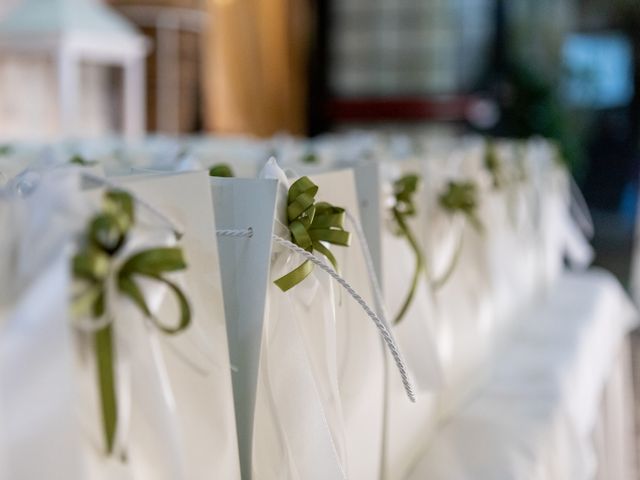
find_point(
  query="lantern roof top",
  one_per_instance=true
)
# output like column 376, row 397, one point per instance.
column 47, row 17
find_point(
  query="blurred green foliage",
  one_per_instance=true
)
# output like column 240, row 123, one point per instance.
column 530, row 106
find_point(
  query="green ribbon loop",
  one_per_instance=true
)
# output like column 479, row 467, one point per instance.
column 310, row 158
column 92, row 265
column 221, row 170
column 438, row 283
column 311, row 225
column 459, row 197
column 404, row 190
column 104, row 352
column 522, row 171
column 494, row 166
column 152, row 264
column 462, row 197
column 81, row 161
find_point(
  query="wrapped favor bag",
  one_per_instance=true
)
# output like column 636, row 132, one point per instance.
column 321, row 366
column 197, row 359
column 509, row 211
column 36, row 363
column 411, row 312
column 407, row 425
column 455, row 254
column 361, row 353
column 146, row 441
column 36, row 345
column 299, row 429
column 559, row 235
column 173, row 415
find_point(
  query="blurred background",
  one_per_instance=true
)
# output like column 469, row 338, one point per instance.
column 563, row 69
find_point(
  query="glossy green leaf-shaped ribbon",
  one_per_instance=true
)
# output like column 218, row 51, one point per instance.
column 404, row 190
column 221, row 170
column 5, row 150
column 310, row 157
column 462, row 197
column 80, row 160
column 493, row 165
column 311, row 224
column 106, row 235
column 459, row 197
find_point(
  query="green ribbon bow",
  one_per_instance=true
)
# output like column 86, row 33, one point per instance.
column 404, row 189
column 81, row 161
column 311, row 224
column 459, row 197
column 462, row 197
column 522, row 170
column 310, row 158
column 221, row 170
column 494, row 166
column 106, row 235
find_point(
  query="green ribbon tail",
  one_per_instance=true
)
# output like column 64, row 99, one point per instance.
column 152, row 264
column 221, row 170
column 476, row 223
column 327, row 253
column 419, row 267
column 442, row 281
column 295, row 276
column 106, row 234
column 183, row 304
column 104, row 351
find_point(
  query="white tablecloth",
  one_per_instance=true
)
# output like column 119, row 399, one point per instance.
column 536, row 415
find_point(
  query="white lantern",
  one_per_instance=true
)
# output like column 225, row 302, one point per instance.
column 53, row 80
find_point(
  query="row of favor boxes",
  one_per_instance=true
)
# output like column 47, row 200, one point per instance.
column 228, row 308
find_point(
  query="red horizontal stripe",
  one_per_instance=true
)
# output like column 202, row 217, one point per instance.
column 449, row 108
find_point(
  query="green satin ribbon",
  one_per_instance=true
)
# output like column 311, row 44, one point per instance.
column 311, row 224
column 81, row 161
column 106, row 235
column 221, row 170
column 462, row 197
column 459, row 197
column 404, row 190
column 522, row 173
column 494, row 166
column 310, row 158
column 438, row 283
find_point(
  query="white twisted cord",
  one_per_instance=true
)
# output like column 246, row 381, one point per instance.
column 368, row 259
column 380, row 320
column 377, row 293
column 380, row 324
column 235, row 233
column 177, row 229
